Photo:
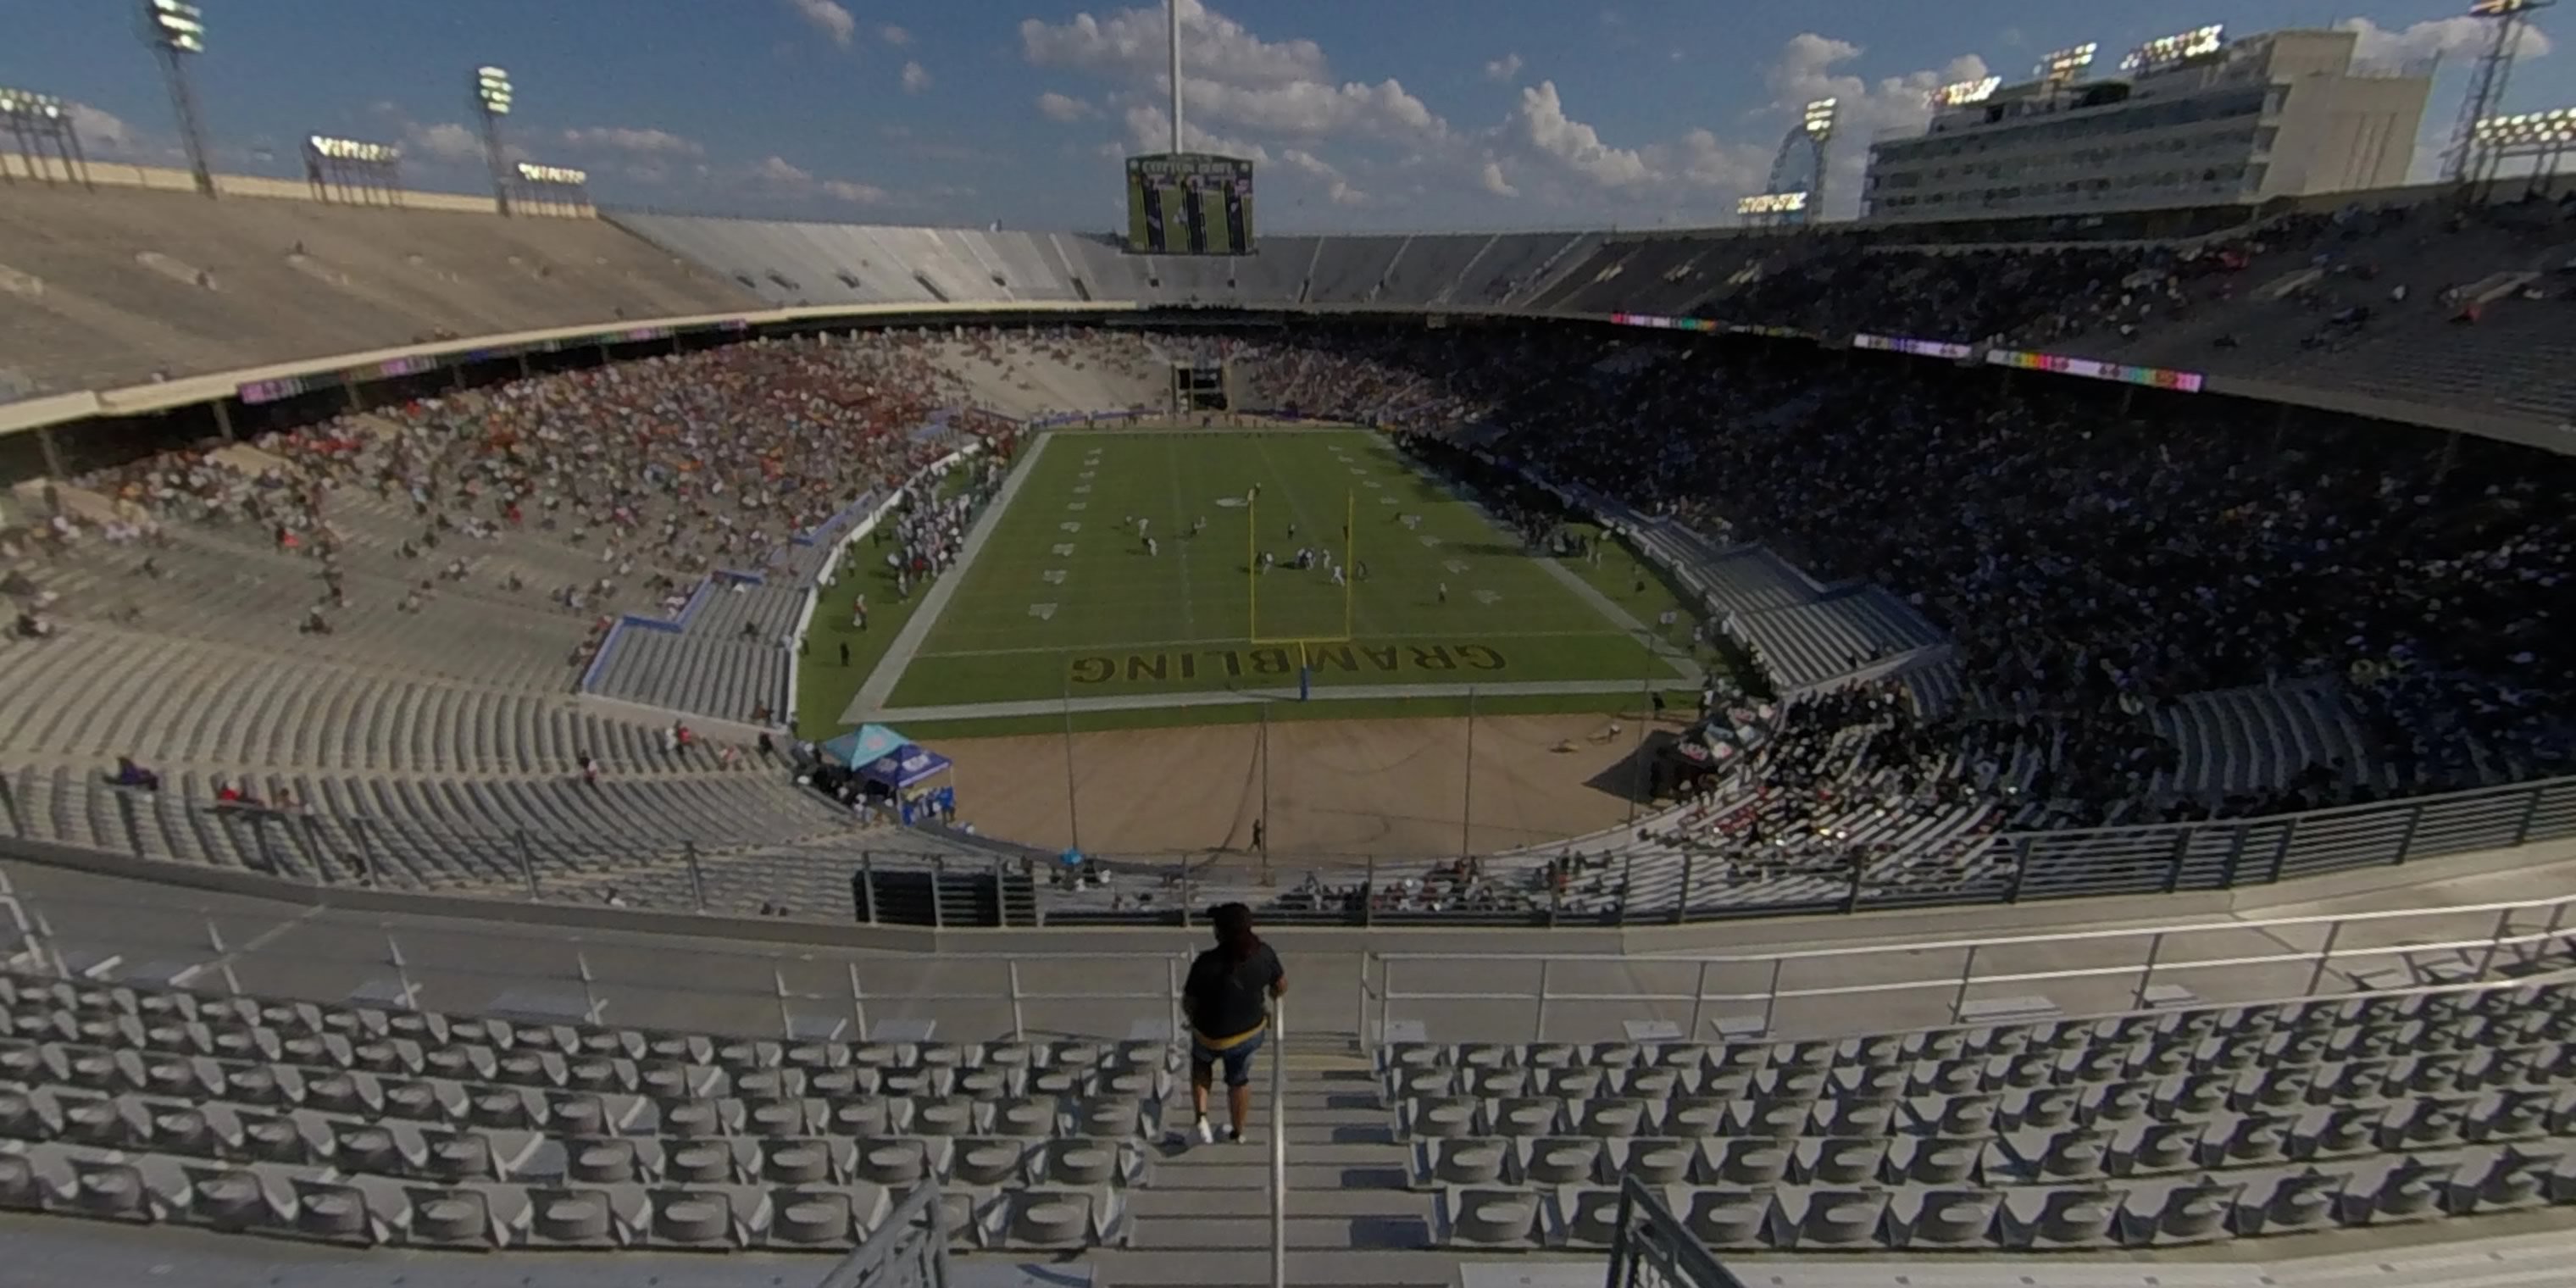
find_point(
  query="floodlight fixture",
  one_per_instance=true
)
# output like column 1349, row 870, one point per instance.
column 2469, row 155
column 2171, row 51
column 1818, row 119
column 552, row 188
column 2067, row 64
column 2499, row 8
column 1772, row 203
column 176, row 31
column 353, row 170
column 492, row 90
column 2529, row 129
column 1963, row 93
column 553, row 174
column 42, row 127
column 353, row 150
column 176, row 25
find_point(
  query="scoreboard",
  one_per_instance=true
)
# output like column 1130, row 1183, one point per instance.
column 1189, row 203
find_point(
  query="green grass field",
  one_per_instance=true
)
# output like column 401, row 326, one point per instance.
column 1064, row 600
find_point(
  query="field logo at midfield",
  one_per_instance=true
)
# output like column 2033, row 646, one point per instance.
column 1427, row 661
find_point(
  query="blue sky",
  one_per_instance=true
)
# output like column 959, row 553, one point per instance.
column 1364, row 114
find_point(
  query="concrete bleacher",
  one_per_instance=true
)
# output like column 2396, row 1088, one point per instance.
column 2259, row 738
column 1841, row 633
column 554, row 837
column 113, row 286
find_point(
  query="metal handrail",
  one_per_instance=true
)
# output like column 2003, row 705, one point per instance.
column 2153, row 964
column 1278, row 1144
column 2002, row 941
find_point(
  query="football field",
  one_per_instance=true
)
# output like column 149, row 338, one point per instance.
column 1065, row 598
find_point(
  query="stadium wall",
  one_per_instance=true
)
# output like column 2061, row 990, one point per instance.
column 116, row 174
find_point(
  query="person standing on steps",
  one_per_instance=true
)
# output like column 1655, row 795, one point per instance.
column 1226, row 1004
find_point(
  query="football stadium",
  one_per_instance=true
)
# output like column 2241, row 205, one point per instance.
column 2017, row 738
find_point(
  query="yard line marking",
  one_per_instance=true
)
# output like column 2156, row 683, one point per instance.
column 1053, row 576
column 1488, row 597
column 1237, row 641
column 1077, row 505
column 1070, row 526
column 1042, row 612
column 1064, row 550
column 1454, row 565
column 1082, row 490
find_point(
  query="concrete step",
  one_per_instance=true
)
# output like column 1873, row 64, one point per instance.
column 1397, row 1232
column 1159, row 1205
column 1254, row 1151
column 1325, row 1268
column 1303, row 1178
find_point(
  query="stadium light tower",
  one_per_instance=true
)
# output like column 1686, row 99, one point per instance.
column 1805, row 143
column 2067, row 66
column 176, row 31
column 554, row 188
column 352, row 170
column 492, row 95
column 2545, row 138
column 34, row 120
column 1172, row 12
column 2511, row 19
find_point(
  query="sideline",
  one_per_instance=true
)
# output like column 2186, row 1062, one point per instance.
column 868, row 704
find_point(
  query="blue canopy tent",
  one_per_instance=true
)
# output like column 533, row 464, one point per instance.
column 864, row 745
column 913, row 776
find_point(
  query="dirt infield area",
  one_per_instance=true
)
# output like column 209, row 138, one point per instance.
column 1337, row 788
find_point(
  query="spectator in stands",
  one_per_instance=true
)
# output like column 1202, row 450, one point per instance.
column 130, row 774
column 1226, row 1001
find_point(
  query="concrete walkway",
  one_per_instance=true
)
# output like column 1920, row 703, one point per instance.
column 1254, row 697
column 907, row 642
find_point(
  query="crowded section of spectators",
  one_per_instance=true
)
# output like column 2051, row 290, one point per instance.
column 2092, row 563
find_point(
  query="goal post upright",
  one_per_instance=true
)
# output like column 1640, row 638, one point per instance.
column 1252, row 561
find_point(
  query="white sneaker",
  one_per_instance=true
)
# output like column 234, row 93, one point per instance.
column 1207, row 1134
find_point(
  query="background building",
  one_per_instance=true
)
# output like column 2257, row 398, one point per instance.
column 2191, row 121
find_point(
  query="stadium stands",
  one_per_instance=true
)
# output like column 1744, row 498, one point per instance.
column 369, row 1126
column 120, row 287
column 2147, row 1131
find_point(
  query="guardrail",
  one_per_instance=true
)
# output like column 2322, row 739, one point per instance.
column 2140, row 969
column 910, row 1250
column 901, row 877
column 1652, row 1248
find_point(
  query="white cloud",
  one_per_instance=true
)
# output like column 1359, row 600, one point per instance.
column 1337, row 186
column 1548, row 135
column 857, row 194
column 1235, row 78
column 1150, row 128
column 916, row 78
column 894, row 35
column 637, row 142
column 1492, row 181
column 826, row 17
column 779, row 170
column 1503, row 68
column 447, row 141
column 1062, row 107
column 102, row 131
column 2452, row 38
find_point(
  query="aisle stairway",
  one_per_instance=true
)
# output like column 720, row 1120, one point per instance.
column 1204, row 1216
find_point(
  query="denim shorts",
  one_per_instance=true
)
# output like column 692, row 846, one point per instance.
column 1237, row 1058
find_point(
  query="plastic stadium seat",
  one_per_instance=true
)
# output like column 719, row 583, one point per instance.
column 1461, row 1161
column 2051, row 1219
column 2178, row 1213
column 1575, row 1160
column 1485, row 1216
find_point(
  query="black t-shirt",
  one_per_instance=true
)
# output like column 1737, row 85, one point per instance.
column 1224, row 996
